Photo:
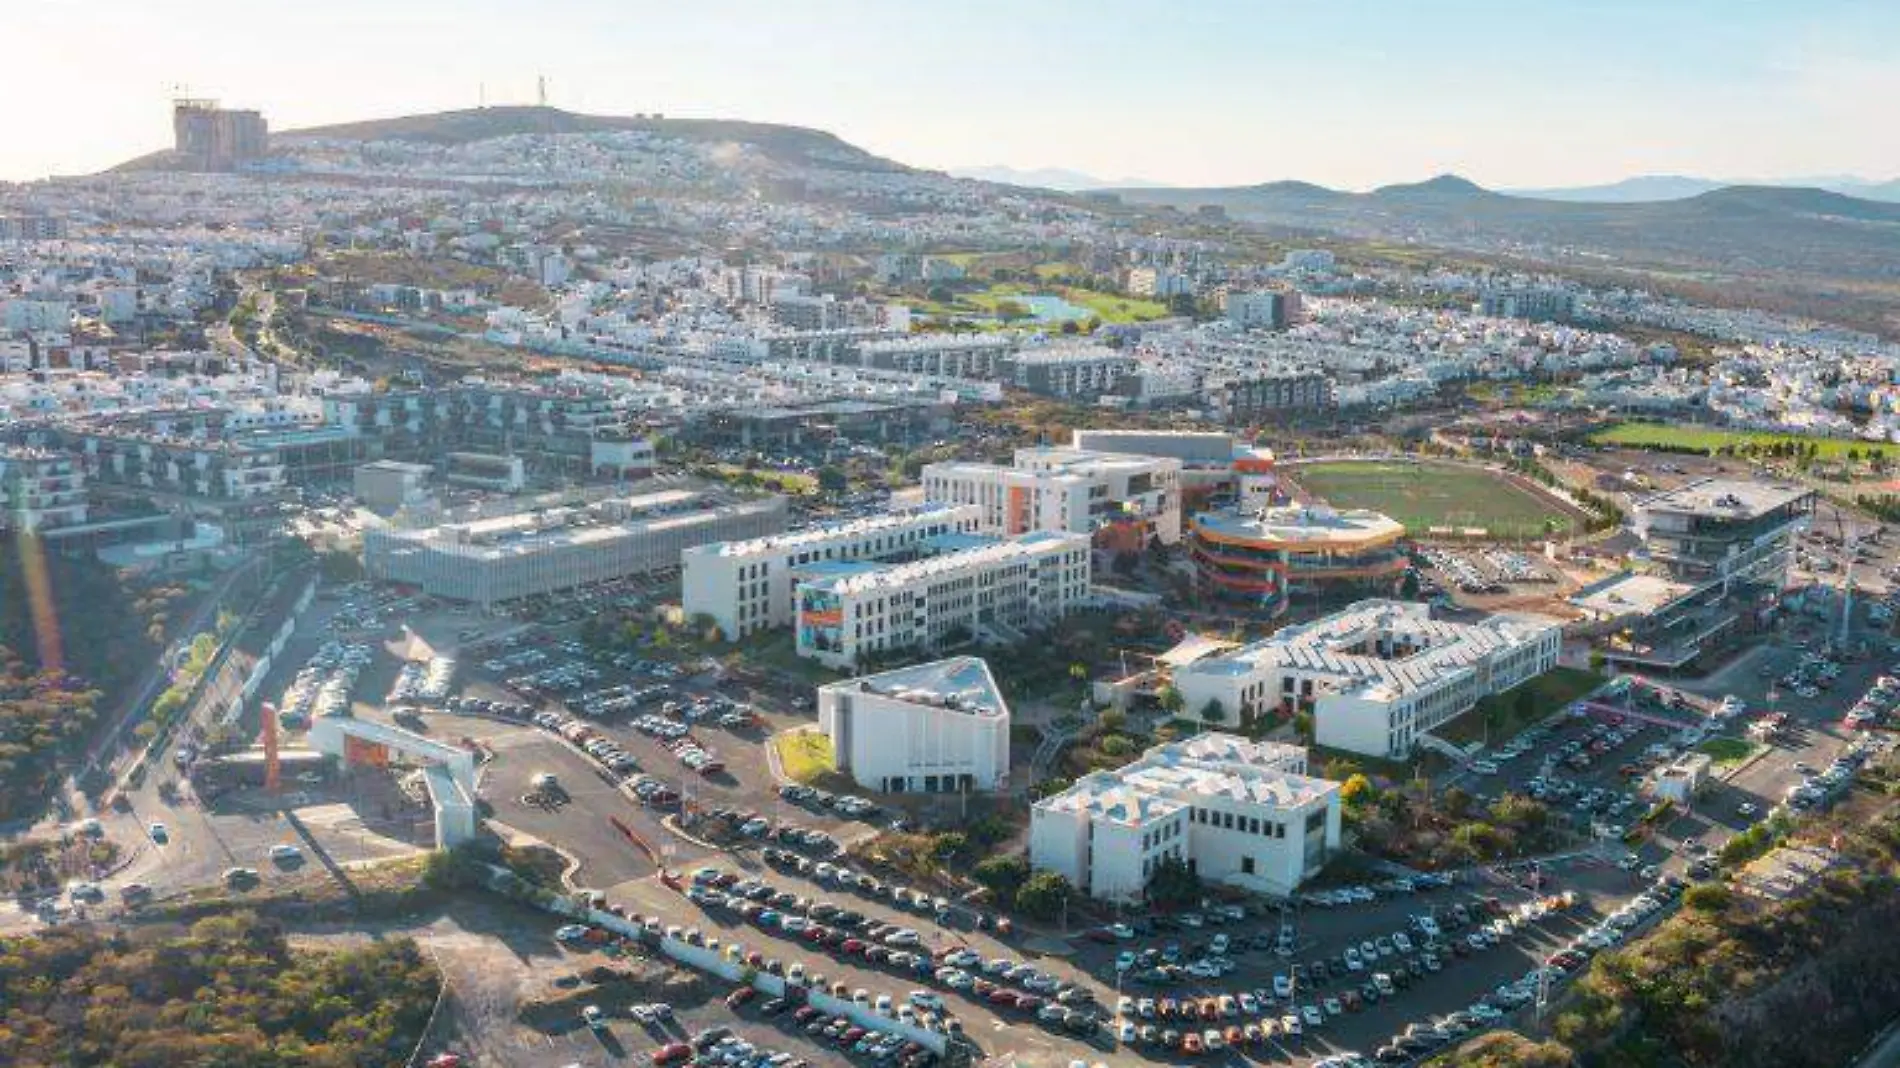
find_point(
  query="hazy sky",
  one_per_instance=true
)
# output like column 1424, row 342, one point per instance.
column 1345, row 92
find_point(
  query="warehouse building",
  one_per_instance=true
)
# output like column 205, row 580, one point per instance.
column 489, row 561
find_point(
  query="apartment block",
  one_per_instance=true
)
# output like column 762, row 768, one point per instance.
column 1082, row 372
column 40, row 489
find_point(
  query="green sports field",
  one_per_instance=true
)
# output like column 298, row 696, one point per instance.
column 1705, row 438
column 1435, row 495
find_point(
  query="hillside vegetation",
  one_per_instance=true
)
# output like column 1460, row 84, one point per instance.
column 228, row 993
column 74, row 635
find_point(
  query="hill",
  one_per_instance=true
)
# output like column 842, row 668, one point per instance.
column 790, row 145
column 1651, row 187
column 1734, row 228
column 1060, row 179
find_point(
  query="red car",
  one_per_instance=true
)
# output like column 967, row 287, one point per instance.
column 740, row 997
column 1003, row 995
column 671, row 1052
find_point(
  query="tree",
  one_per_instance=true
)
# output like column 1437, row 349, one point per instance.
column 1174, row 883
column 1171, row 700
column 1212, row 712
column 832, row 480
column 1356, row 790
column 1011, row 310
column 1708, row 897
column 1524, row 705
column 1043, row 895
column 1003, row 874
column 1182, row 304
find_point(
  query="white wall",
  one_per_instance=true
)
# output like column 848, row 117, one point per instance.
column 892, row 738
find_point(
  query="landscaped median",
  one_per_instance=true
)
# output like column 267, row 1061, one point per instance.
column 1728, row 752
column 805, row 756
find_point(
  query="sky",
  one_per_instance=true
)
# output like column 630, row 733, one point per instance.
column 1348, row 93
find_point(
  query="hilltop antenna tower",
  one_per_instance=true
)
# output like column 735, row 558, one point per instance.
column 541, row 90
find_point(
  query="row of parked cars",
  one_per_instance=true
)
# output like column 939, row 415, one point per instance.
column 564, row 677
column 850, row 933
column 423, row 681
column 1309, row 995
column 853, row 1039
column 1875, row 707
column 1363, row 893
column 616, row 700
column 844, row 804
column 1424, row 1037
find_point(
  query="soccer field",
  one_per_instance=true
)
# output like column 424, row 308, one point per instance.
column 1434, row 495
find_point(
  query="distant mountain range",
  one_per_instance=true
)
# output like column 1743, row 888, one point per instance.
column 1641, row 189
column 1733, row 228
column 1056, row 178
column 1653, row 187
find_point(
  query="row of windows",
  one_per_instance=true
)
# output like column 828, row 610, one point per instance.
column 1245, row 824
column 1160, row 834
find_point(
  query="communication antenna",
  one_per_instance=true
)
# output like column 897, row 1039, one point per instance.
column 541, row 90
column 481, row 94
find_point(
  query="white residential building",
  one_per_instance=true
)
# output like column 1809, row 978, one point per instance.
column 40, row 489
column 1376, row 675
column 488, row 561
column 1234, row 811
column 992, row 589
column 746, row 586
column 941, row 727
column 1064, row 489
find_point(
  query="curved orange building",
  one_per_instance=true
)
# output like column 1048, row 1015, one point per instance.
column 1263, row 557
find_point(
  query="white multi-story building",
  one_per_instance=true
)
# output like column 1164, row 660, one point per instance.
column 40, row 489
column 488, row 561
column 746, row 586
column 992, row 589
column 1234, row 811
column 941, row 727
column 1063, row 489
column 1376, row 675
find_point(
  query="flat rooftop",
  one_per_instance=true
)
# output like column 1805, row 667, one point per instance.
column 1727, row 498
column 1630, row 593
column 1337, row 646
column 1216, row 765
column 1298, row 526
column 897, row 576
column 830, row 533
column 959, row 683
column 396, row 467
